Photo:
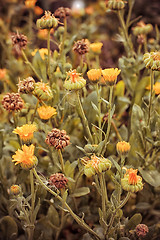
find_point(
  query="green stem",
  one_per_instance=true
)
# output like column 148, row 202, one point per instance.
column 97, row 61
column 30, row 23
column 49, row 56
column 31, row 66
column 32, row 205
column 76, row 218
column 35, row 110
column 109, row 120
column 151, row 95
column 102, row 196
column 15, row 125
column 116, row 130
column 83, row 117
column 63, row 41
column 99, row 110
column 61, row 160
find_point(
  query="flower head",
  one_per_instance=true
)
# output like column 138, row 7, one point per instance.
column 75, row 81
column 37, row 10
column 62, row 12
column 30, row 3
column 43, row 91
column 48, row 21
column 96, row 47
column 152, row 60
column 26, row 131
column 25, row 157
column 123, row 148
column 46, row 112
column 94, row 75
column 110, row 75
column 15, row 189
column 115, row 4
column 26, row 85
column 142, row 28
column 3, row 73
column 141, row 230
column 58, row 180
column 131, row 181
column 81, row 46
column 19, row 40
column 12, row 102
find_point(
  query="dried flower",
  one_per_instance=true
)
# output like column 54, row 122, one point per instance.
column 25, row 157
column 81, row 46
column 15, row 189
column 12, row 102
column 96, row 165
column 46, row 112
column 43, row 91
column 110, row 75
column 58, row 180
column 141, row 39
column 152, row 60
column 156, row 88
column 123, row 148
column 142, row 28
column 58, row 138
column 26, row 85
column 75, row 81
column 131, row 182
column 115, row 4
column 94, row 75
column 19, row 40
column 96, row 47
column 26, row 131
column 62, row 12
column 43, row 52
column 30, row 3
column 48, row 21
column 141, row 230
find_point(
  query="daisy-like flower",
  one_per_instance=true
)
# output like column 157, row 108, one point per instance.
column 94, row 74
column 156, row 88
column 25, row 157
column 15, row 189
column 110, row 75
column 42, row 51
column 96, row 47
column 131, row 181
column 26, row 131
column 123, row 148
column 42, row 91
column 152, row 60
column 46, row 112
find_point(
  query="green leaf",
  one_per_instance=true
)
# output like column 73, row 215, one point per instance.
column 115, row 164
column 80, row 192
column 151, row 176
column 95, row 107
column 134, row 221
column 8, row 228
column 40, row 65
column 53, row 216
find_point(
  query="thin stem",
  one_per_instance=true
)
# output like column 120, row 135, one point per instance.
column 109, row 120
column 15, row 125
column 32, row 204
column 83, row 117
column 31, row 66
column 35, row 110
column 151, row 95
column 116, row 130
column 105, row 189
column 63, row 41
column 102, row 196
column 97, row 61
column 49, row 57
column 61, row 159
column 76, row 218
column 99, row 110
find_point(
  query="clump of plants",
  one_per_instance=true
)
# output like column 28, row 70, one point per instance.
column 80, row 144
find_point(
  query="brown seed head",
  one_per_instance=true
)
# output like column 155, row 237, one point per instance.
column 81, row 47
column 26, row 85
column 62, row 12
column 141, row 230
column 12, row 102
column 57, row 138
column 19, row 40
column 141, row 39
column 58, row 180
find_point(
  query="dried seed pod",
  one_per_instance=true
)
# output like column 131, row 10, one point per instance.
column 141, row 230
column 58, row 180
column 81, row 47
column 62, row 12
column 26, row 85
column 19, row 40
column 12, row 102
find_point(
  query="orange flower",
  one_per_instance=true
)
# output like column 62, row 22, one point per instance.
column 131, row 181
column 96, row 47
column 30, row 3
column 2, row 73
column 26, row 131
column 156, row 88
column 15, row 189
column 94, row 74
column 25, row 157
column 38, row 10
column 123, row 147
column 110, row 75
column 43, row 33
column 46, row 112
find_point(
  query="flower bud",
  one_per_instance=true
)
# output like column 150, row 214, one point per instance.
column 48, row 21
column 15, row 189
column 123, row 148
column 42, row 91
column 115, row 4
column 75, row 81
column 152, row 60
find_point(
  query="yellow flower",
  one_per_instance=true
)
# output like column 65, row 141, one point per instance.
column 25, row 157
column 123, row 147
column 46, row 112
column 43, row 52
column 30, row 3
column 38, row 10
column 110, row 75
column 94, row 74
column 131, row 181
column 156, row 88
column 96, row 47
column 15, row 189
column 26, row 131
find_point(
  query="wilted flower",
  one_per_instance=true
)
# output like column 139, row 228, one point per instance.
column 48, row 21
column 58, row 180
column 26, row 85
column 26, row 131
column 123, row 148
column 15, row 189
column 96, row 47
column 58, row 138
column 62, row 12
column 152, row 60
column 12, row 102
column 110, row 75
column 94, row 75
column 19, row 40
column 43, row 91
column 131, row 181
column 46, row 112
column 25, row 157
column 81, row 46
column 141, row 230
column 75, row 81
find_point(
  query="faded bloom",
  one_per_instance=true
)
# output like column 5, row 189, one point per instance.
column 62, row 12
column 12, row 102
column 26, row 131
column 131, row 181
column 46, row 112
column 96, row 165
column 15, row 189
column 152, row 60
column 142, row 28
column 25, row 157
column 58, row 180
column 81, row 46
column 141, row 230
column 43, row 91
column 58, row 138
column 94, row 75
column 110, row 75
column 26, row 85
column 30, row 3
column 75, row 81
column 48, row 21
column 115, row 4
column 123, row 148
column 156, row 88
column 96, row 47
column 19, row 40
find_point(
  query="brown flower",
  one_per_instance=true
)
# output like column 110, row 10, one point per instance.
column 57, row 138
column 141, row 230
column 12, row 102
column 81, row 47
column 26, row 85
column 58, row 180
column 62, row 12
column 19, row 40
